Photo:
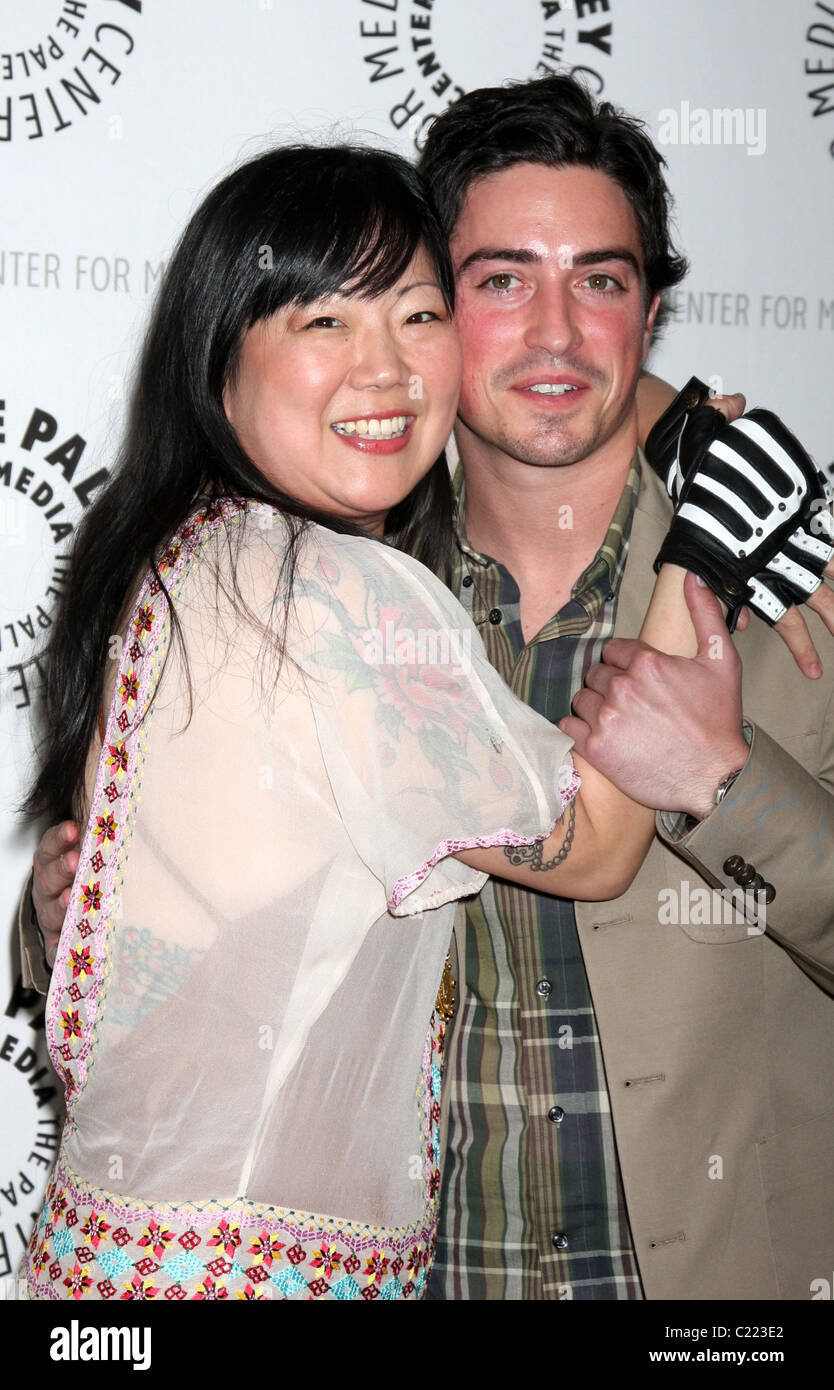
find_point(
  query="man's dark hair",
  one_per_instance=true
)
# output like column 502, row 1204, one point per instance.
column 554, row 121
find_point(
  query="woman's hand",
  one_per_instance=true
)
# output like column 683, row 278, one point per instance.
column 53, row 870
column 793, row 628
column 654, row 395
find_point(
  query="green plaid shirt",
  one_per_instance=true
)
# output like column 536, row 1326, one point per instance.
column 532, row 1205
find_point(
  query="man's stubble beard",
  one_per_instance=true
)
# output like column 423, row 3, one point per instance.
column 549, row 442
column 551, row 445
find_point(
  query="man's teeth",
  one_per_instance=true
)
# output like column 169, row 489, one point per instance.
column 390, row 428
column 547, row 388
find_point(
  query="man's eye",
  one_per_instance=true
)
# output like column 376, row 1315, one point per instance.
column 501, row 280
column 603, row 284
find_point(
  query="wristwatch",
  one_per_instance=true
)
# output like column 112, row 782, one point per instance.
column 724, row 787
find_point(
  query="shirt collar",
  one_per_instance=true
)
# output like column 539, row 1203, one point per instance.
column 606, row 568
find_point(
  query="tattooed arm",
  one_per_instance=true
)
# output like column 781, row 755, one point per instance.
column 594, row 851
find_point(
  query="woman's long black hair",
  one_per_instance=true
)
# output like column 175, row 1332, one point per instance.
column 286, row 228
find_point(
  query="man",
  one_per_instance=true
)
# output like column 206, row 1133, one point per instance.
column 622, row 1096
column 639, row 1091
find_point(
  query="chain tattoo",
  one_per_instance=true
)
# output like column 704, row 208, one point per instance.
column 532, row 854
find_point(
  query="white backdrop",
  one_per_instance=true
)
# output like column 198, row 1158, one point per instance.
column 117, row 115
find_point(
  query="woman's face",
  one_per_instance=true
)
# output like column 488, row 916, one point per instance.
column 346, row 403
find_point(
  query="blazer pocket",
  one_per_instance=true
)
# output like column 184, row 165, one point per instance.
column 797, row 1173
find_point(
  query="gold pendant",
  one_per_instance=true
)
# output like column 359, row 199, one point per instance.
column 445, row 1003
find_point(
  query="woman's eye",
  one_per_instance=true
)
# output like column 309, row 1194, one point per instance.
column 601, row 282
column 422, row 316
column 325, row 321
column 501, row 280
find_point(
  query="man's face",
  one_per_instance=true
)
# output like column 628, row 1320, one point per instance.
column 551, row 313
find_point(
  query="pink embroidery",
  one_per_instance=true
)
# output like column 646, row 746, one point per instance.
column 70, row 1031
column 408, row 882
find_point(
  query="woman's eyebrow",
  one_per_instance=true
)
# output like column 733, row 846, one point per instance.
column 417, row 285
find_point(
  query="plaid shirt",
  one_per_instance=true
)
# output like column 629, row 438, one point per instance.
column 532, row 1205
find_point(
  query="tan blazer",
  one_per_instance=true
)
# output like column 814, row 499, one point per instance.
column 718, row 1044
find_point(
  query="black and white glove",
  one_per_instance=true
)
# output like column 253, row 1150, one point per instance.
column 750, row 496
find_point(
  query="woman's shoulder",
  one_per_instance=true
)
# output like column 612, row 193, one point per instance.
column 259, row 548
column 369, row 562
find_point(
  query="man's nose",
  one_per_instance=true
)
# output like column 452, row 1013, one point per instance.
column 553, row 323
column 378, row 361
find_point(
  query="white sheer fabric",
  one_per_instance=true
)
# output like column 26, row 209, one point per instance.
column 260, row 1023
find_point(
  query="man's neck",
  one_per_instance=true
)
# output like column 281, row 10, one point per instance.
column 536, row 519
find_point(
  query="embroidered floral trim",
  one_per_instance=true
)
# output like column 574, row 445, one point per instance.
column 408, row 882
column 94, row 1244
column 79, row 977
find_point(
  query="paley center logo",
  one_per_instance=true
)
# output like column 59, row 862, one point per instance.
column 819, row 64
column 44, row 488
column 422, row 55
column 57, row 68
column 29, row 1137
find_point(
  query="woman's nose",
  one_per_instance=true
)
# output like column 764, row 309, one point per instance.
column 378, row 362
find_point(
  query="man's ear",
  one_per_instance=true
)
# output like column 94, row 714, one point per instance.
column 647, row 331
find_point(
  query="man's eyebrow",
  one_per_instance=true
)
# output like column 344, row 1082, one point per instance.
column 500, row 253
column 524, row 257
column 608, row 253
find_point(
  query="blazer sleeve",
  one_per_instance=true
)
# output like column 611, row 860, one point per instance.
column 34, row 969
column 779, row 820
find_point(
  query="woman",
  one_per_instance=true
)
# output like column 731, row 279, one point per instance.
column 298, row 742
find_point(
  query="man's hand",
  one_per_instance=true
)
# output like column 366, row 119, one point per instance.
column 54, row 867
column 664, row 729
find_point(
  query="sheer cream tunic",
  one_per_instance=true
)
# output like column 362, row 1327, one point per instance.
column 283, row 899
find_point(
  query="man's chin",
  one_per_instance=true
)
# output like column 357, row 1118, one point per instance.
column 552, row 451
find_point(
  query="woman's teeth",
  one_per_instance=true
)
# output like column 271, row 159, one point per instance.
column 390, row 428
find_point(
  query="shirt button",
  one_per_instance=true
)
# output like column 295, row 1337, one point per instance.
column 495, row 616
column 466, row 581
column 543, row 988
column 556, row 1114
column 559, row 1241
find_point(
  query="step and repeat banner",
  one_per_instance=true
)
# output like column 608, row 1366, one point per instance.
column 116, row 116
